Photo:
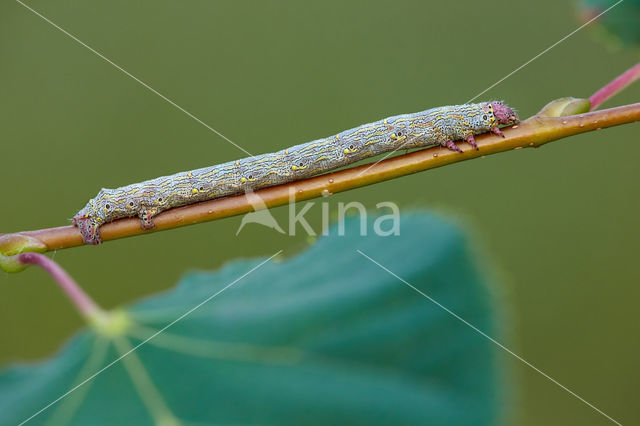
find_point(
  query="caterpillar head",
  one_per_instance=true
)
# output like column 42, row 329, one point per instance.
column 504, row 114
column 88, row 223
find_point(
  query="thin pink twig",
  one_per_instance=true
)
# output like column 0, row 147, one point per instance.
column 615, row 86
column 80, row 299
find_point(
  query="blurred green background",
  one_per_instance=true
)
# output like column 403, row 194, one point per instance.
column 559, row 223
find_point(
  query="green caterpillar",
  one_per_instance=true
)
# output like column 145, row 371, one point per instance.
column 436, row 126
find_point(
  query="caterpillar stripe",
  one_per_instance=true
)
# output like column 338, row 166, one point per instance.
column 436, row 126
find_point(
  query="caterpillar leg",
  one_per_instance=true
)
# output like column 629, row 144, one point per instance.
column 146, row 218
column 472, row 141
column 89, row 229
column 452, row 146
column 497, row 131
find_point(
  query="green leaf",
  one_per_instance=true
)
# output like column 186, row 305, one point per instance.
column 619, row 26
column 324, row 337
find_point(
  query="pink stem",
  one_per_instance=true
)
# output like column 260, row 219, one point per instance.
column 80, row 299
column 615, row 86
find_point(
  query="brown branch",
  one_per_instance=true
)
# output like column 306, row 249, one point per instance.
column 533, row 132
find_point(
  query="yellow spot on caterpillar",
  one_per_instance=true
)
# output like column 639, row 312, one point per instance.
column 194, row 191
column 243, row 179
column 189, row 174
column 237, row 163
column 311, row 146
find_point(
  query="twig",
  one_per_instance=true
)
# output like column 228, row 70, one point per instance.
column 533, row 132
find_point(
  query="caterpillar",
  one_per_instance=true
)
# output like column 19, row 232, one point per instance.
column 433, row 127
